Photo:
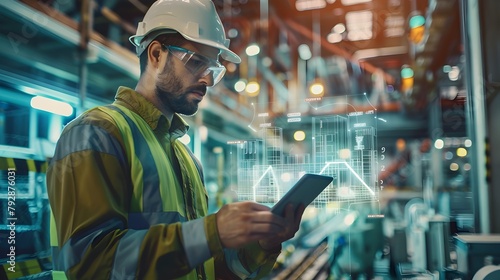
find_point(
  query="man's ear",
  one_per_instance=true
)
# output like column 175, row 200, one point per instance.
column 154, row 53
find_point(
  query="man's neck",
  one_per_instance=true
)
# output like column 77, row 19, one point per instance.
column 150, row 95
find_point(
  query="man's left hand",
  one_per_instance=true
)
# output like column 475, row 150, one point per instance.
column 292, row 226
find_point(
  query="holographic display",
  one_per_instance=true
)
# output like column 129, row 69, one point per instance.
column 331, row 136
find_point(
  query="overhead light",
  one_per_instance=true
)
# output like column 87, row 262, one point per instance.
column 417, row 27
column 467, row 166
column 299, row 135
column 439, row 144
column 286, row 177
column 334, row 38
column 218, row 150
column 359, row 25
column 354, row 2
column 203, row 132
column 267, row 61
column 400, row 144
column 339, row 28
column 416, row 21
column 304, row 52
column 454, row 73
column 252, row 50
column 406, row 78
column 51, row 106
column 240, row 85
column 406, row 72
column 305, row 5
column 448, row 155
column 394, row 26
column 461, row 152
column 253, row 88
column 345, row 154
column 317, row 87
column 468, row 143
column 231, row 67
column 232, row 33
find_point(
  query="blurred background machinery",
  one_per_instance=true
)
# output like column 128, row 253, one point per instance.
column 427, row 69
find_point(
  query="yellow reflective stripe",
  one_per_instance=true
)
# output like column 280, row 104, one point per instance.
column 171, row 195
column 58, row 275
column 6, row 163
column 210, row 268
column 192, row 179
column 151, row 196
column 53, row 231
column 23, row 268
column 136, row 204
column 170, row 191
column 31, row 165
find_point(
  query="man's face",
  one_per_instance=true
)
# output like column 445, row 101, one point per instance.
column 178, row 89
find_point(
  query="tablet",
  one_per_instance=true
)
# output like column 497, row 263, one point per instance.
column 304, row 192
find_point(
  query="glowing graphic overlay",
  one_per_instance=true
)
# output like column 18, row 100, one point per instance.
column 340, row 141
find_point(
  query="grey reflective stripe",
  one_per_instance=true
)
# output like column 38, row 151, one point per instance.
column 72, row 251
column 234, row 264
column 88, row 137
column 127, row 255
column 55, row 253
column 151, row 196
column 145, row 220
column 195, row 242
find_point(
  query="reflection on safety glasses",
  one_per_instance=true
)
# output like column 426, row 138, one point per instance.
column 198, row 65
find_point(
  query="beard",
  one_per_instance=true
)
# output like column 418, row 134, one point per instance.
column 174, row 97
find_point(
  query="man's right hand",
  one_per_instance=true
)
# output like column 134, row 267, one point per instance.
column 243, row 222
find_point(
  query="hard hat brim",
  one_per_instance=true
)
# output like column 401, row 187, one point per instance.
column 141, row 43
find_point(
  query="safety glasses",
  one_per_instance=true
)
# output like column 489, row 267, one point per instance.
column 197, row 64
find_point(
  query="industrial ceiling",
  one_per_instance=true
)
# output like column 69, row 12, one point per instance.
column 40, row 51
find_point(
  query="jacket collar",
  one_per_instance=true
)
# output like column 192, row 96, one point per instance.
column 154, row 118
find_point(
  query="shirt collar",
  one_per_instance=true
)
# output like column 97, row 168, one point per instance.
column 154, row 118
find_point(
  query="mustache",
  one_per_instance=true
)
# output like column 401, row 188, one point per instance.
column 201, row 88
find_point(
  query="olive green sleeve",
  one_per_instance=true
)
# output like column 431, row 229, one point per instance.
column 89, row 192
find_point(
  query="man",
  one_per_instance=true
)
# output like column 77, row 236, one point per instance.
column 128, row 198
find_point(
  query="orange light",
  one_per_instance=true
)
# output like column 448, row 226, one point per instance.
column 406, row 84
column 417, row 34
column 400, row 144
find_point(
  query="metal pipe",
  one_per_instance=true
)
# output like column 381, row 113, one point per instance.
column 85, row 30
column 334, row 49
column 476, row 111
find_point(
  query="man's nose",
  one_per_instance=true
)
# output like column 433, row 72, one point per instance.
column 208, row 80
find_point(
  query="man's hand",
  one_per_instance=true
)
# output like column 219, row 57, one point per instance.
column 241, row 223
column 292, row 225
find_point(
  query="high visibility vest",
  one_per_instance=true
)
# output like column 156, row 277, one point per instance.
column 155, row 182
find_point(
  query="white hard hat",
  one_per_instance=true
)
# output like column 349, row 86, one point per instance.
column 195, row 20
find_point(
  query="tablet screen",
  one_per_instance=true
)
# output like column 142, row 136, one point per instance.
column 303, row 192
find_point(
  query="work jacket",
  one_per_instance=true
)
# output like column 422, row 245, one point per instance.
column 128, row 201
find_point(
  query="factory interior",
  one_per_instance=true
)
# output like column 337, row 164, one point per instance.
column 393, row 98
